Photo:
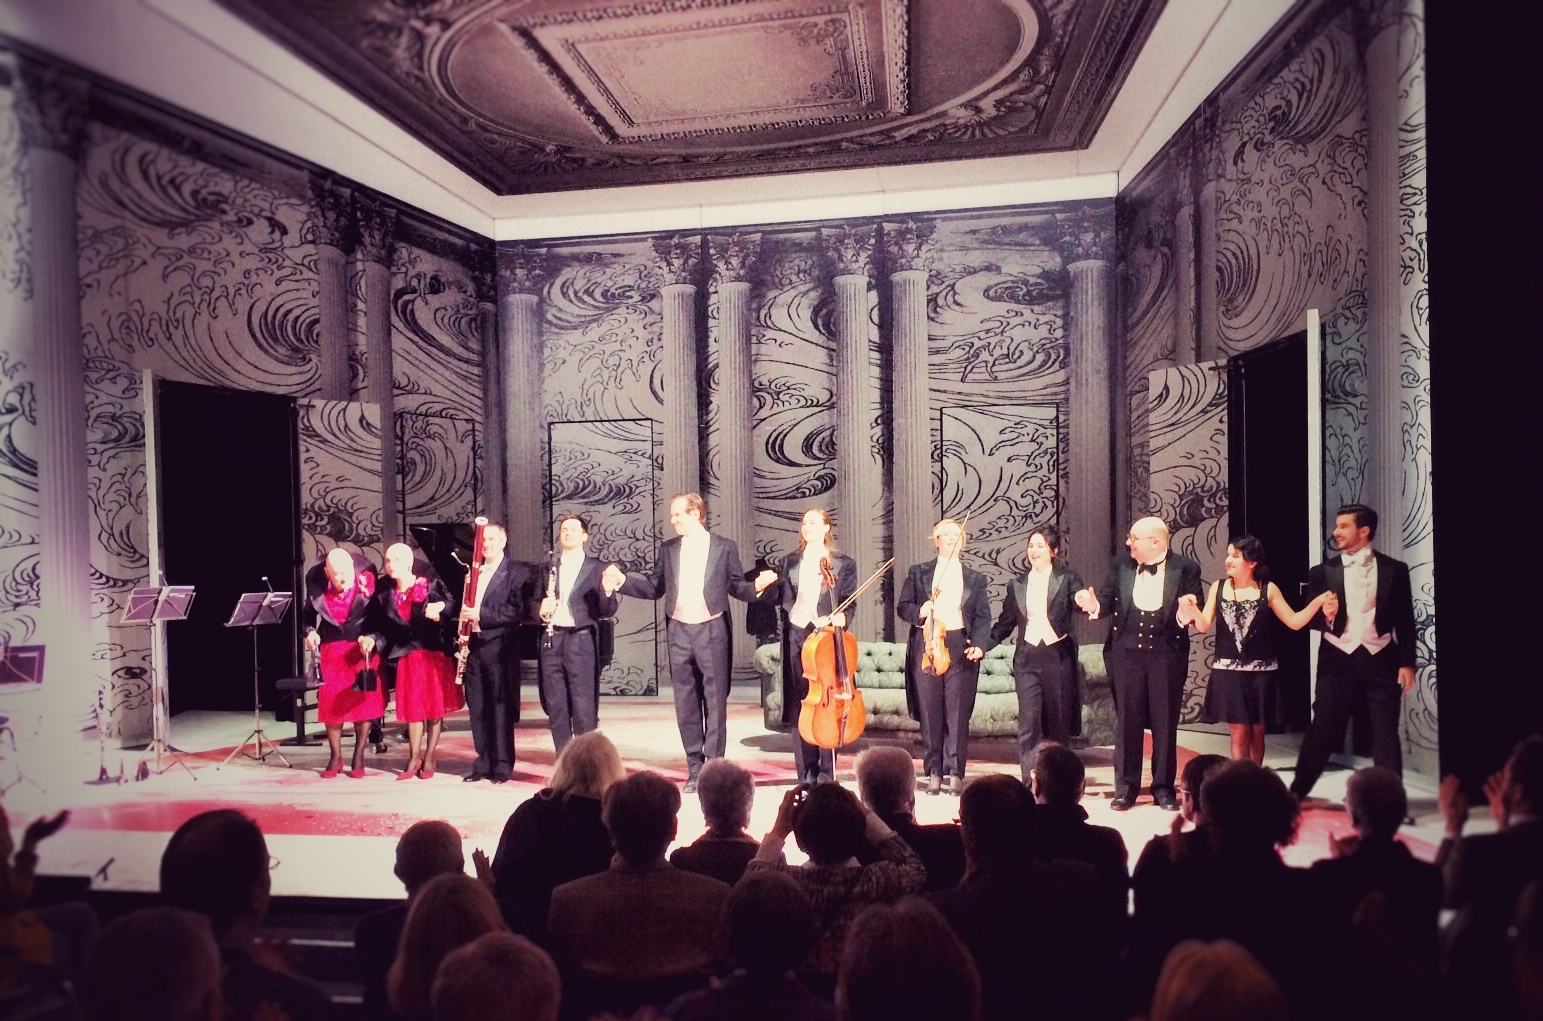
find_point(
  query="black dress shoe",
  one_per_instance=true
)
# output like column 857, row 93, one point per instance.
column 498, row 779
column 1121, row 803
column 1166, row 802
column 473, row 777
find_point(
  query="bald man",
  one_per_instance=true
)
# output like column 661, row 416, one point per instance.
column 1147, row 654
column 341, row 632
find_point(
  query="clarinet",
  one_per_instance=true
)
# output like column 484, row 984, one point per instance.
column 551, row 590
column 465, row 626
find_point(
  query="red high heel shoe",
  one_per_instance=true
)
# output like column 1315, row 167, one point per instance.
column 357, row 774
column 331, row 771
column 426, row 773
column 408, row 773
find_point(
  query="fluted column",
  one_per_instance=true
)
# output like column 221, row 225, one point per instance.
column 329, row 231
column 521, row 276
column 859, row 475
column 678, row 259
column 494, row 441
column 377, row 244
column 1181, row 216
column 1207, row 292
column 1087, row 247
column 734, row 493
column 908, row 254
column 51, row 107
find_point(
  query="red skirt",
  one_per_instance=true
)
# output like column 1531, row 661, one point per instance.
column 425, row 686
column 337, row 702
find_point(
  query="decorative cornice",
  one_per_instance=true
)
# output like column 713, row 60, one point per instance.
column 51, row 106
column 677, row 257
column 522, row 270
column 849, row 249
column 1086, row 235
column 377, row 230
column 908, row 245
column 332, row 216
column 733, row 256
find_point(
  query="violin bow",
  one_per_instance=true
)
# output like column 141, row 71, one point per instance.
column 875, row 576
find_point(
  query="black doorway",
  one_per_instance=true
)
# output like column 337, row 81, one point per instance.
column 229, row 517
column 1267, row 451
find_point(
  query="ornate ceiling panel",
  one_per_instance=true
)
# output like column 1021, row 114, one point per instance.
column 554, row 95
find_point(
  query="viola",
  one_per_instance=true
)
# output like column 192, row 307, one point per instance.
column 832, row 715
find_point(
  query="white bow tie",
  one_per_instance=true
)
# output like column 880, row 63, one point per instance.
column 1360, row 559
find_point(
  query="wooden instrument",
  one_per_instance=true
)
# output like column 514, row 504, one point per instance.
column 551, row 591
column 467, row 625
column 832, row 715
column 935, row 657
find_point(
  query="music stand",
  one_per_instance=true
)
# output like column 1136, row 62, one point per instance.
column 253, row 610
column 155, row 606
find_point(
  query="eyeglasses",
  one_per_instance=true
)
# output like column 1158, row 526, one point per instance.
column 273, row 863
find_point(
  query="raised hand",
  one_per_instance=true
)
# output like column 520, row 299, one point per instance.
column 1087, row 602
column 764, row 579
column 1453, row 804
column 42, row 828
column 611, row 578
column 434, row 610
column 484, row 868
column 1494, row 793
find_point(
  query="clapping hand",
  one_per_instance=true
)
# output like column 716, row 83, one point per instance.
column 42, row 828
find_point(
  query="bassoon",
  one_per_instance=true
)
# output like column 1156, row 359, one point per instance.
column 467, row 625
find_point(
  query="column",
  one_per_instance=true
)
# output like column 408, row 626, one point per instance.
column 908, row 251
column 1212, row 170
column 1087, row 247
column 494, row 441
column 51, row 108
column 859, row 475
column 733, row 494
column 521, row 276
column 1180, row 215
column 677, row 259
column 329, row 230
column 377, row 244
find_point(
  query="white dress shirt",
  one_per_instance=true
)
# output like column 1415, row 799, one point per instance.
column 484, row 576
column 948, row 583
column 568, row 567
column 1147, row 593
column 1037, row 629
column 806, row 606
column 1360, row 606
column 690, row 599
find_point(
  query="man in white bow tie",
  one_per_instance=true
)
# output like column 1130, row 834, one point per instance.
column 1368, row 649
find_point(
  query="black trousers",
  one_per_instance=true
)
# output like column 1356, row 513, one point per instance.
column 568, row 684
column 946, row 704
column 1148, row 690
column 1044, row 676
column 1343, row 680
column 699, row 678
column 488, row 703
column 813, row 763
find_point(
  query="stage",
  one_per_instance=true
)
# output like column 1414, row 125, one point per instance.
column 336, row 837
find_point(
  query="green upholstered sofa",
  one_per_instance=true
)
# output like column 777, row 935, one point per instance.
column 881, row 679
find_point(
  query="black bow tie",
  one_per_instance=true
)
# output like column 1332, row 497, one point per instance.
column 1148, row 568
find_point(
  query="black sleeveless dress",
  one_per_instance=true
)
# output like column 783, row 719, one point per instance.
column 1242, row 687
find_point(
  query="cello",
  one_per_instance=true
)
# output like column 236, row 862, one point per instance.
column 832, row 714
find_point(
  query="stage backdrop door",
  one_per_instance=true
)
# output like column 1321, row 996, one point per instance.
column 606, row 471
column 229, row 517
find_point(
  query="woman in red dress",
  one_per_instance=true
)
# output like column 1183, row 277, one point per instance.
column 415, row 613
column 339, row 592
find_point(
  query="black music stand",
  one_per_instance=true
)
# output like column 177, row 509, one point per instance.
column 19, row 664
column 253, row 610
column 155, row 606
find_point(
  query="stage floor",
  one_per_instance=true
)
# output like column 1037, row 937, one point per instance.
column 336, row 837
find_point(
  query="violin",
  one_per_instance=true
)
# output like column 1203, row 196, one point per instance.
column 935, row 657
column 832, row 715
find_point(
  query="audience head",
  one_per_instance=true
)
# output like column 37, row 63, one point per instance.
column 726, row 791
column 1058, row 775
column 831, row 824
column 588, row 766
column 1376, row 802
column 428, row 849
column 1215, row 982
column 1248, row 808
column 449, row 912
column 640, row 814
column 886, row 780
column 996, row 820
column 496, row 977
column 159, row 964
column 217, row 863
column 1193, row 780
column 903, row 962
column 770, row 922
column 1523, row 777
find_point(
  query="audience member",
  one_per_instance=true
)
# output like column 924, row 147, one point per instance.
column 903, row 963
column 886, row 782
column 48, row 941
column 726, row 791
column 831, row 825
column 1032, row 927
column 1062, row 830
column 1217, row 981
column 643, row 931
column 496, row 977
column 557, row 836
column 1179, row 843
column 428, row 849
column 217, row 864
column 158, row 964
column 449, row 911
column 770, row 929
column 1527, row 952
column 1380, row 905
column 1485, row 875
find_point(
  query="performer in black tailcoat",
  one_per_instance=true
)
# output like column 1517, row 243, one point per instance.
column 491, row 700
column 570, row 658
